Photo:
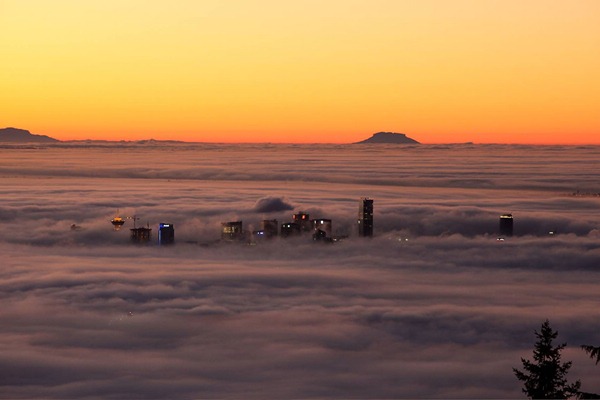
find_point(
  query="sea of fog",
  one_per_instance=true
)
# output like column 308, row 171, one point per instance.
column 433, row 306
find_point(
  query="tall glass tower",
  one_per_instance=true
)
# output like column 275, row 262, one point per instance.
column 506, row 225
column 365, row 217
column 166, row 234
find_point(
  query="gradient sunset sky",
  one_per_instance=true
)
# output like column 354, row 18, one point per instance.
column 330, row 71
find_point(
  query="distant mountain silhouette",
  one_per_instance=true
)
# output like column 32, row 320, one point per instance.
column 14, row 135
column 389, row 137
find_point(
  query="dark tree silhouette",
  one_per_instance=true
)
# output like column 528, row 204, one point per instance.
column 546, row 376
column 592, row 351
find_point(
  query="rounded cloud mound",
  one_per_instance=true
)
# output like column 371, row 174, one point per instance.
column 272, row 204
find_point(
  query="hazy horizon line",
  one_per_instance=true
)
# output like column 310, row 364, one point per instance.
column 327, row 143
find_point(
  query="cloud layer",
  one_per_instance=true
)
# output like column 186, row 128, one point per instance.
column 272, row 204
column 446, row 313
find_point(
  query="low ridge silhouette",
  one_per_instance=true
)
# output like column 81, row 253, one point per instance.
column 14, row 135
column 389, row 137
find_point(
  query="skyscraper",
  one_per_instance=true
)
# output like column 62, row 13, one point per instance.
column 269, row 230
column 270, row 227
column 321, row 229
column 141, row 235
column 166, row 234
column 365, row 217
column 303, row 219
column 231, row 231
column 506, row 225
column 290, row 229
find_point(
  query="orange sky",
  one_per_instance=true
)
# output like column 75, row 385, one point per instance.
column 305, row 71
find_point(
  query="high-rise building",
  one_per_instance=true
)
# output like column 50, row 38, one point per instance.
column 270, row 228
column 303, row 220
column 290, row 229
column 231, row 231
column 506, row 225
column 141, row 235
column 166, row 234
column 365, row 217
column 322, row 228
column 320, row 236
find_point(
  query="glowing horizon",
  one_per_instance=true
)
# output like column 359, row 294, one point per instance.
column 334, row 72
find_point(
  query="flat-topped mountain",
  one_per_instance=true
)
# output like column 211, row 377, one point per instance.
column 390, row 138
column 14, row 135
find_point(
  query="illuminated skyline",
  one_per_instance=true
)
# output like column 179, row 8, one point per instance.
column 269, row 71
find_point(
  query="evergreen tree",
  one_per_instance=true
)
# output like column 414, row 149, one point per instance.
column 594, row 353
column 546, row 376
